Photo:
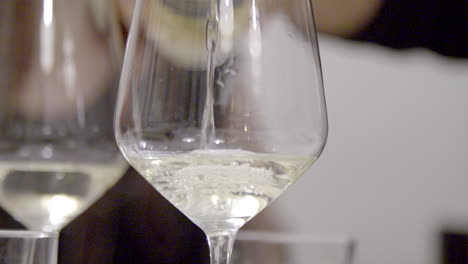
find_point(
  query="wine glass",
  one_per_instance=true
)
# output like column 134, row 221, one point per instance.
column 221, row 106
column 60, row 63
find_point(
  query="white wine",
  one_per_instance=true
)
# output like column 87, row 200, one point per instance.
column 47, row 196
column 213, row 187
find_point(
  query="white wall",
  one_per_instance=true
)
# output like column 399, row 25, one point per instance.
column 395, row 169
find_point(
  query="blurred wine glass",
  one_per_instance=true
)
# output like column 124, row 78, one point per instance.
column 58, row 69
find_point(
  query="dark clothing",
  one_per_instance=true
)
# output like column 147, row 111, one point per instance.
column 439, row 25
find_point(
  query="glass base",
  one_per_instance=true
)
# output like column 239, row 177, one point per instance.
column 274, row 248
column 24, row 247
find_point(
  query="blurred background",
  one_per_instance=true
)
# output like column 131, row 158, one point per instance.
column 394, row 174
column 394, row 171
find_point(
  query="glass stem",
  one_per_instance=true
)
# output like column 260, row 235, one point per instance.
column 221, row 245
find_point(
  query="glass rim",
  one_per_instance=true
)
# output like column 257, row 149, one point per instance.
column 27, row 234
column 281, row 237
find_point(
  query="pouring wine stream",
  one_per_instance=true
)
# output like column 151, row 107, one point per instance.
column 220, row 20
column 219, row 32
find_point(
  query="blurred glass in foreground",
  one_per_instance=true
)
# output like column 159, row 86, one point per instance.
column 59, row 68
column 59, row 65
